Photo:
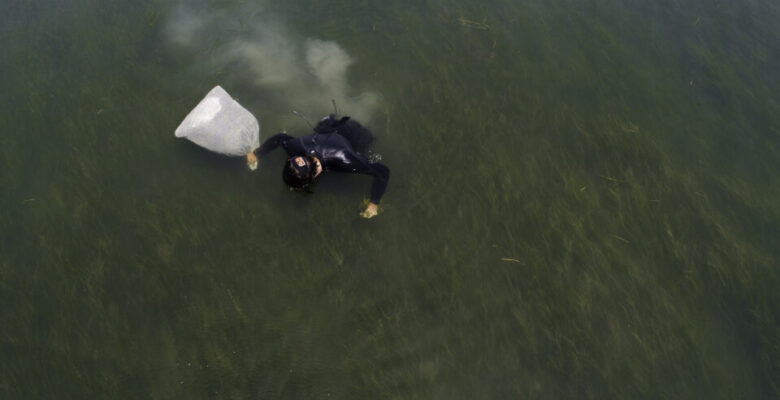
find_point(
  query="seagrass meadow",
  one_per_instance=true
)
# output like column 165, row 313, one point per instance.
column 583, row 201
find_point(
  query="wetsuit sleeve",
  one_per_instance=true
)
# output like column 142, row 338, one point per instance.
column 272, row 143
column 381, row 176
column 379, row 171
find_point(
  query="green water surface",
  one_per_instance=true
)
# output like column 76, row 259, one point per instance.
column 583, row 204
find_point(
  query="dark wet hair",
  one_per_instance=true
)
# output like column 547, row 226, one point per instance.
column 298, row 178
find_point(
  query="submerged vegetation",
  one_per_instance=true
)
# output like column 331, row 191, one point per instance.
column 583, row 204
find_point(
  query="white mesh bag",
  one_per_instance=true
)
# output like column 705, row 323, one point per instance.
column 218, row 123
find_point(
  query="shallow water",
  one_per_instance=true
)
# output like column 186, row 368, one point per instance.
column 583, row 201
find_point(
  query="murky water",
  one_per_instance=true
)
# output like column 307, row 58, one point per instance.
column 583, row 201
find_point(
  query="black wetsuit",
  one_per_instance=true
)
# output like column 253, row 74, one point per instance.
column 335, row 152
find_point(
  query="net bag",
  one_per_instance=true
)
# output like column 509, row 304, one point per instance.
column 218, row 123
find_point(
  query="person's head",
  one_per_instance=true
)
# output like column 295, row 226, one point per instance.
column 299, row 172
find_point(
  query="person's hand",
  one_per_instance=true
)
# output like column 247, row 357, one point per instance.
column 371, row 211
column 251, row 160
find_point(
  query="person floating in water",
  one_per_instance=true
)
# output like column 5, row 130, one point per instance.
column 336, row 145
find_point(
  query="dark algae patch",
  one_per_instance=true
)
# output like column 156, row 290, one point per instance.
column 583, row 202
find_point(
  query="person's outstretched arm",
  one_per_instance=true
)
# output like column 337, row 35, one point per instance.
column 381, row 176
column 272, row 143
